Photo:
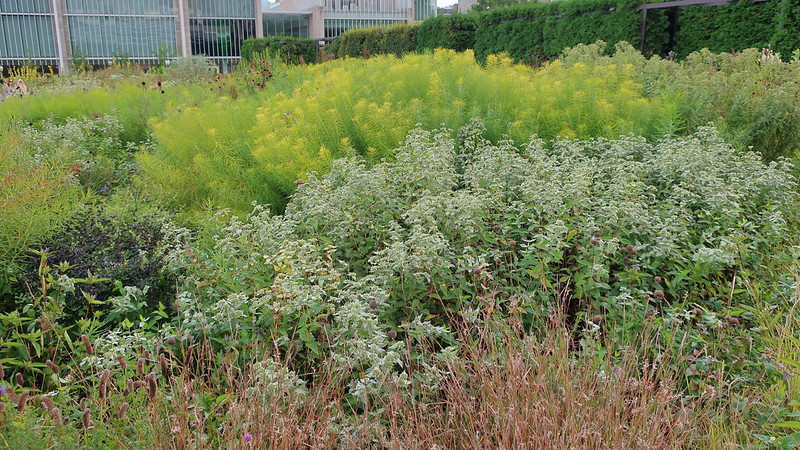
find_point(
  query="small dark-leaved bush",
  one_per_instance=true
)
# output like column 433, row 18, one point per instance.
column 103, row 246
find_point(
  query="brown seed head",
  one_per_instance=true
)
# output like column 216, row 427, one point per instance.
column 373, row 304
column 56, row 413
column 733, row 321
column 44, row 323
column 597, row 319
column 2, row 372
column 630, row 247
column 23, row 400
column 512, row 243
column 616, row 277
column 625, row 259
column 658, row 280
column 140, row 366
column 536, row 229
column 104, row 383
column 151, row 385
column 162, row 360
column 52, row 366
column 170, row 340
column 47, row 403
column 18, row 378
column 392, row 334
column 122, row 410
column 87, row 418
column 87, row 344
column 697, row 311
column 123, row 363
column 593, row 241
column 658, row 293
column 496, row 228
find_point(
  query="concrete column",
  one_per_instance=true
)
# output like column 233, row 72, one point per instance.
column 259, row 20
column 316, row 26
column 182, row 39
column 61, row 34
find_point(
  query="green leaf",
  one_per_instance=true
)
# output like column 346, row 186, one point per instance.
column 793, row 424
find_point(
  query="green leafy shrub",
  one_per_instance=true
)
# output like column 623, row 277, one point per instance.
column 100, row 160
column 333, row 109
column 191, row 69
column 395, row 40
column 455, row 32
column 752, row 96
column 614, row 233
column 287, row 49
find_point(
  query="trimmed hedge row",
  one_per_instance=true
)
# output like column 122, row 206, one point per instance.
column 542, row 30
column 456, row 32
column 729, row 27
column 535, row 31
column 289, row 49
column 526, row 32
column 396, row 39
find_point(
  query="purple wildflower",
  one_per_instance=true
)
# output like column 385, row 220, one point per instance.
column 248, row 437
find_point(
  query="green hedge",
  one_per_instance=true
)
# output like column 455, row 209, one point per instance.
column 542, row 30
column 728, row 27
column 535, row 31
column 787, row 36
column 455, row 32
column 396, row 39
column 289, row 49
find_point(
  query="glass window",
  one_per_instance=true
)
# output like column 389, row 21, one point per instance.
column 284, row 24
column 222, row 8
column 27, row 37
column 220, row 37
column 137, row 38
column 24, row 6
column 139, row 7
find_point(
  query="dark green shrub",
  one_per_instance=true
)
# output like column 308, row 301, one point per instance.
column 455, row 32
column 101, row 246
column 726, row 28
column 289, row 49
column 787, row 38
column 396, row 40
column 542, row 30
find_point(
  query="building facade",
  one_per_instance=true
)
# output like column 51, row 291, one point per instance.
column 65, row 33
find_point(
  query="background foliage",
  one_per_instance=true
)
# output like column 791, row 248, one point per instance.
column 456, row 32
column 352, row 106
column 395, row 40
column 287, row 49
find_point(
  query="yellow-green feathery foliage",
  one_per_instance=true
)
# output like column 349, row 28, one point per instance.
column 37, row 192
column 132, row 104
column 369, row 106
column 205, row 158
